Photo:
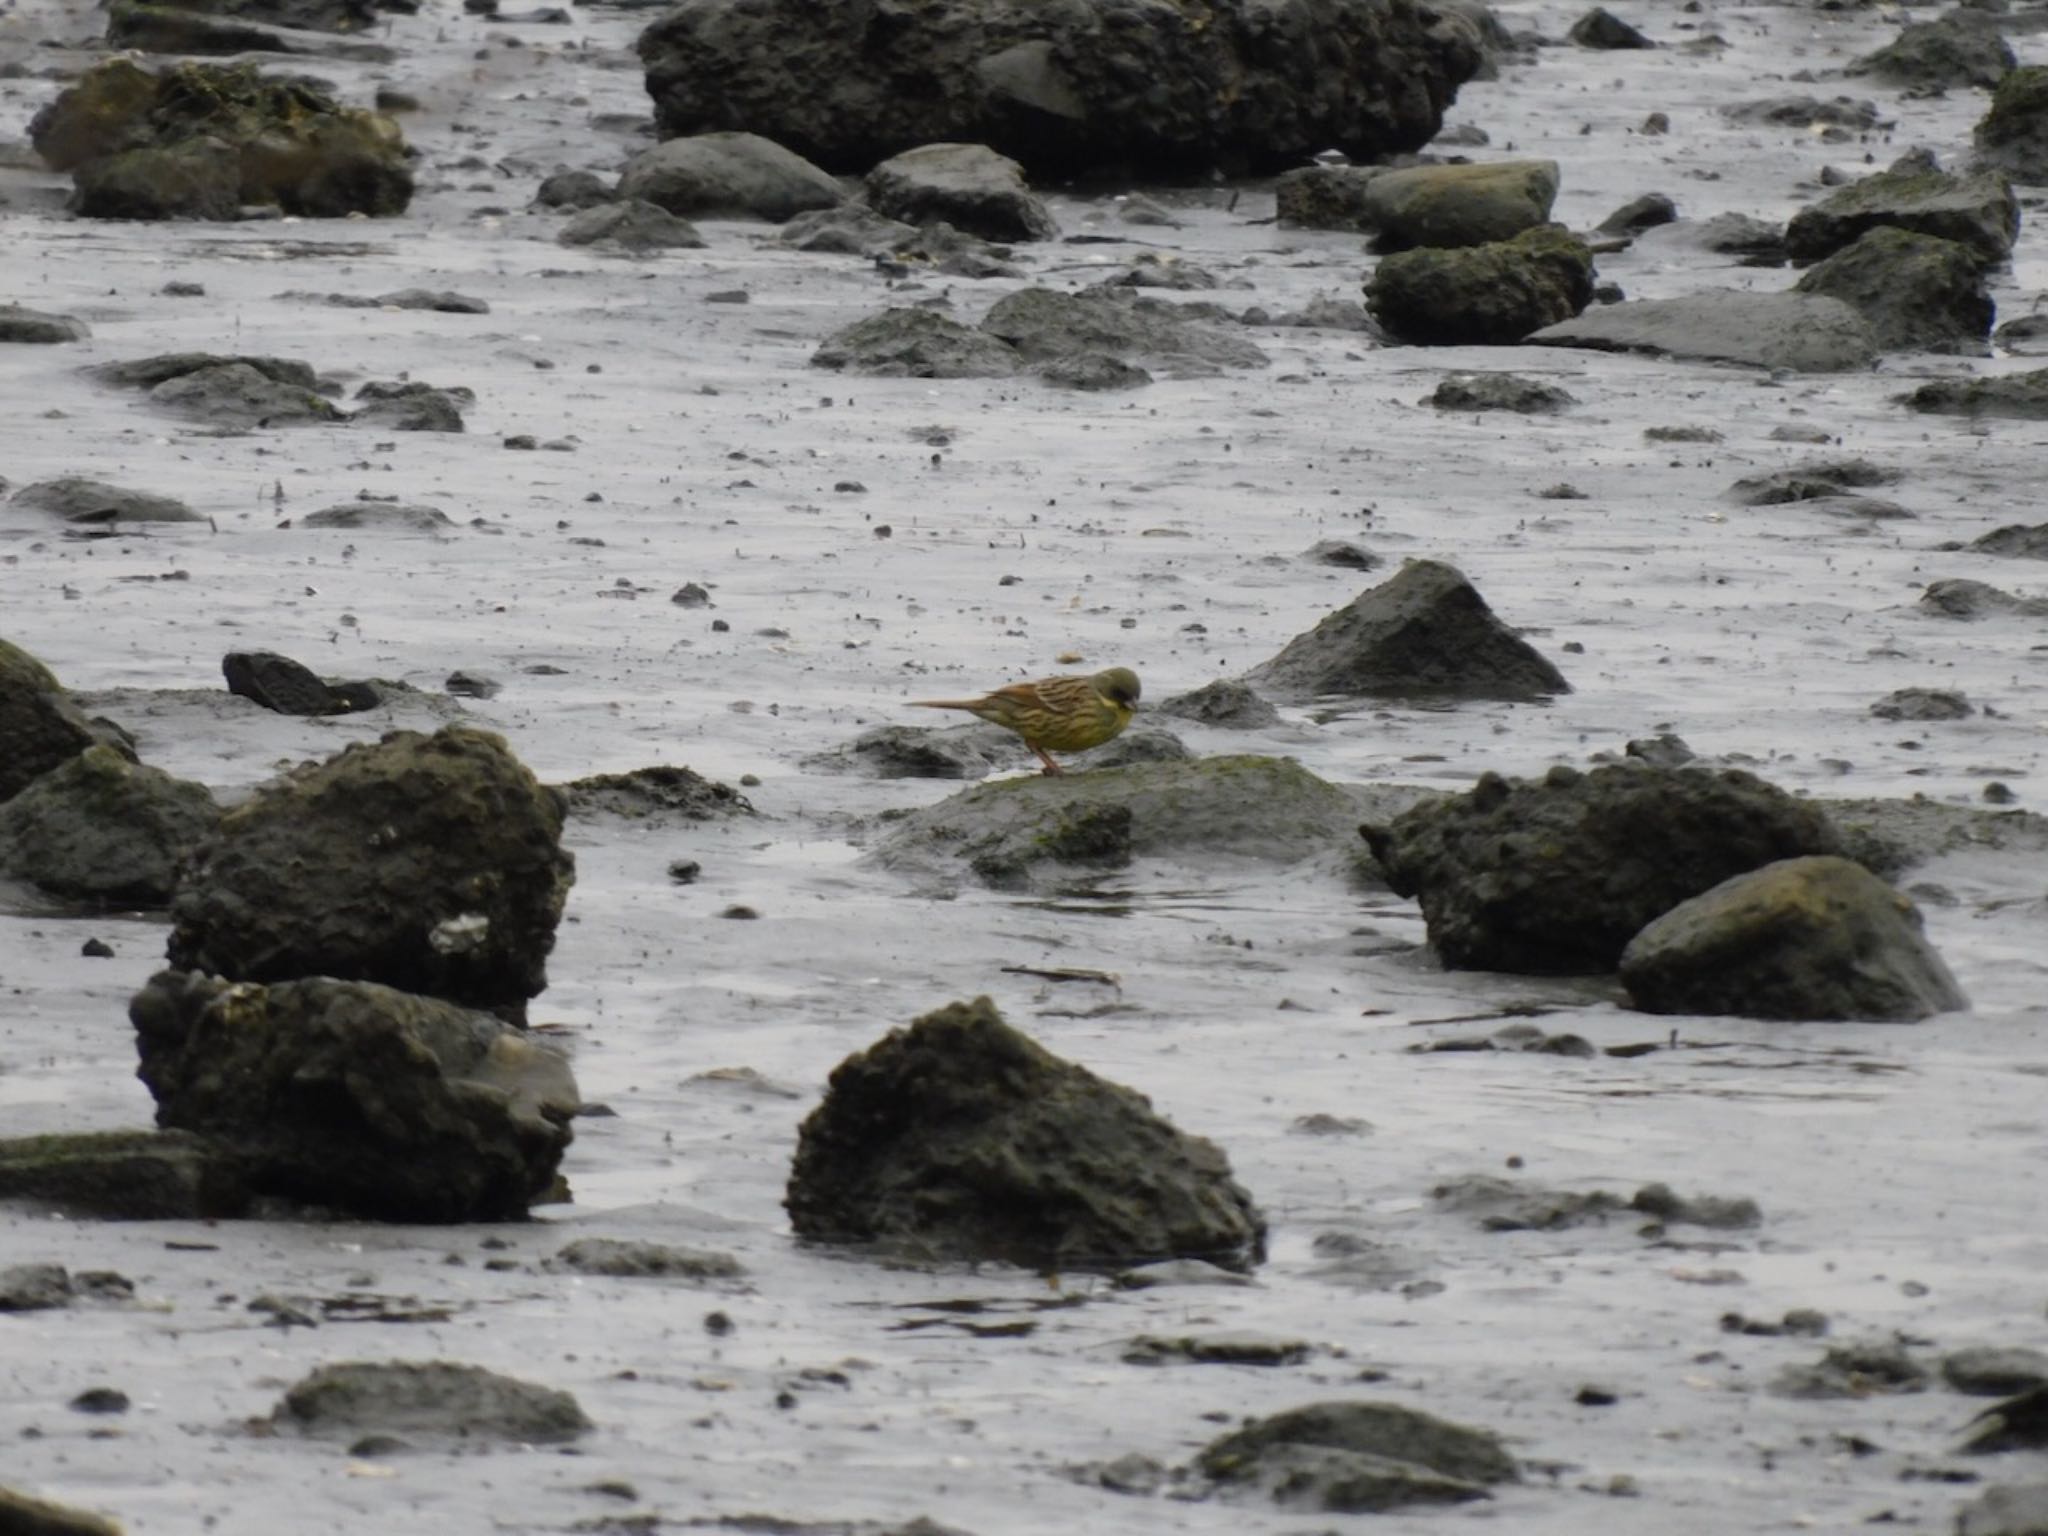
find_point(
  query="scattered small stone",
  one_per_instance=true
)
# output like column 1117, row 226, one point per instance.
column 1664, row 751
column 1799, row 1322
column 740, row 912
column 1499, row 392
column 1724, row 1212
column 96, row 949
column 100, row 1400
column 1590, row 1396
column 1601, row 28
column 1214, row 1349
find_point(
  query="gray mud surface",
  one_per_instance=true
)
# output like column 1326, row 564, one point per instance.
column 1898, row 1169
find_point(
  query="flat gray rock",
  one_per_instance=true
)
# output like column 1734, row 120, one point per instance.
column 1806, row 333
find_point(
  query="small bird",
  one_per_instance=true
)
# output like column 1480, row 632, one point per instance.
column 1064, row 714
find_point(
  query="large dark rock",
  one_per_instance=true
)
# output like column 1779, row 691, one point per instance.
column 1555, row 876
column 305, row 15
column 2013, row 135
column 148, row 372
column 290, row 144
column 1359, row 1458
column 1810, row 938
column 1424, row 632
column 434, row 1400
column 1482, row 295
column 1919, row 293
column 1963, row 48
column 40, row 727
column 429, row 863
column 1091, row 87
column 961, row 1139
column 1977, row 210
column 1019, row 833
column 1327, row 196
column 969, row 186
column 166, row 29
column 1045, row 325
column 1806, row 333
column 104, row 829
column 2021, row 396
column 126, row 1176
column 355, row 1096
column 727, row 176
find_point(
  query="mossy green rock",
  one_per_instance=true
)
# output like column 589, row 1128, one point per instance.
column 39, row 725
column 1484, row 295
column 960, row 1138
column 1977, row 210
column 1017, row 833
column 126, row 1176
column 1810, row 938
column 101, row 828
column 294, row 147
column 2013, row 136
column 433, row 864
column 1919, row 292
column 1453, row 206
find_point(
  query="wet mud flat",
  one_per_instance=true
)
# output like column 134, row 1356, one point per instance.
column 1451, row 1164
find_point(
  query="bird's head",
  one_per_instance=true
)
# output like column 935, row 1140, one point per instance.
column 1119, row 685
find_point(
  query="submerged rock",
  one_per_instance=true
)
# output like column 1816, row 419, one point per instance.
column 432, row 1398
column 631, row 223
column 384, row 516
column 925, row 752
column 1482, row 295
column 2010, row 1509
column 1922, row 704
column 40, row 727
column 1818, row 480
column 1425, row 632
column 1960, row 599
column 358, row 1097
column 126, row 1176
column 960, row 1138
column 429, row 863
column 1043, row 325
column 664, row 793
column 1802, row 939
column 1557, row 875
column 1019, row 833
column 76, row 499
column 619, row 1257
column 1226, row 704
column 1093, row 88
column 289, row 687
column 1807, row 333
column 2015, row 540
column 2020, row 396
column 1499, row 392
column 31, row 327
column 917, row 344
column 237, row 395
column 1358, row 1458
column 102, row 828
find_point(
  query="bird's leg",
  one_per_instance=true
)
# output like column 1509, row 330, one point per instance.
column 1051, row 768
